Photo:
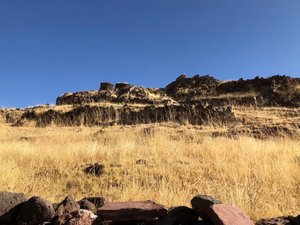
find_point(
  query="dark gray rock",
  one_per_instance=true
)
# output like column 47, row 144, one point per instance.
column 67, row 206
column 201, row 203
column 10, row 204
column 106, row 86
column 183, row 215
column 97, row 201
column 96, row 170
column 35, row 211
column 87, row 205
column 180, row 215
column 295, row 220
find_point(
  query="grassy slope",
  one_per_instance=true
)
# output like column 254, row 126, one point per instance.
column 261, row 177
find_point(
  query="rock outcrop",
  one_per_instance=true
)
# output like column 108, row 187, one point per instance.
column 273, row 91
column 199, row 100
column 122, row 94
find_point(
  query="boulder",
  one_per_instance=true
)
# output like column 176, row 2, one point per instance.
column 131, row 211
column 222, row 214
column 201, row 203
column 35, row 211
column 183, row 215
column 10, row 204
column 67, row 206
column 295, row 220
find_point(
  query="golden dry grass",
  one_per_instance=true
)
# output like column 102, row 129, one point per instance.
column 259, row 176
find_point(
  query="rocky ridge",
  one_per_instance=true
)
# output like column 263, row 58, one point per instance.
column 199, row 100
column 205, row 210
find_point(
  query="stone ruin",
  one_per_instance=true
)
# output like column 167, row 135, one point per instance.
column 15, row 208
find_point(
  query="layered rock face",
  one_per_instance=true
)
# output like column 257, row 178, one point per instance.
column 199, row 100
column 98, row 115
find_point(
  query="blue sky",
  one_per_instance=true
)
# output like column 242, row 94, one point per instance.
column 52, row 46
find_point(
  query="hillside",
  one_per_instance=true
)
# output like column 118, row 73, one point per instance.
column 235, row 140
column 258, row 107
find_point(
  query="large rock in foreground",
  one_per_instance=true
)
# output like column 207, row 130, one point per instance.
column 35, row 211
column 201, row 203
column 10, row 205
column 67, row 206
column 222, row 214
column 131, row 211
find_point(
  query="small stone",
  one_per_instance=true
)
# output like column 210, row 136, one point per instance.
column 131, row 211
column 35, row 211
column 87, row 205
column 141, row 162
column 97, row 201
column 29, row 139
column 95, row 170
column 201, row 203
column 10, row 204
column 222, row 214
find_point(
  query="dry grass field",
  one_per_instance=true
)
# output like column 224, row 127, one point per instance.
column 260, row 176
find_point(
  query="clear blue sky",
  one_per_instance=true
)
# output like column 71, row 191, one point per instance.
column 54, row 46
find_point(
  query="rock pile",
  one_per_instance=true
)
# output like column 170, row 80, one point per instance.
column 15, row 209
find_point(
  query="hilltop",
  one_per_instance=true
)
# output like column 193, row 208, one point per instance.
column 257, row 107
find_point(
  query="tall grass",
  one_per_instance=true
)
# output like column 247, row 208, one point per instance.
column 259, row 176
